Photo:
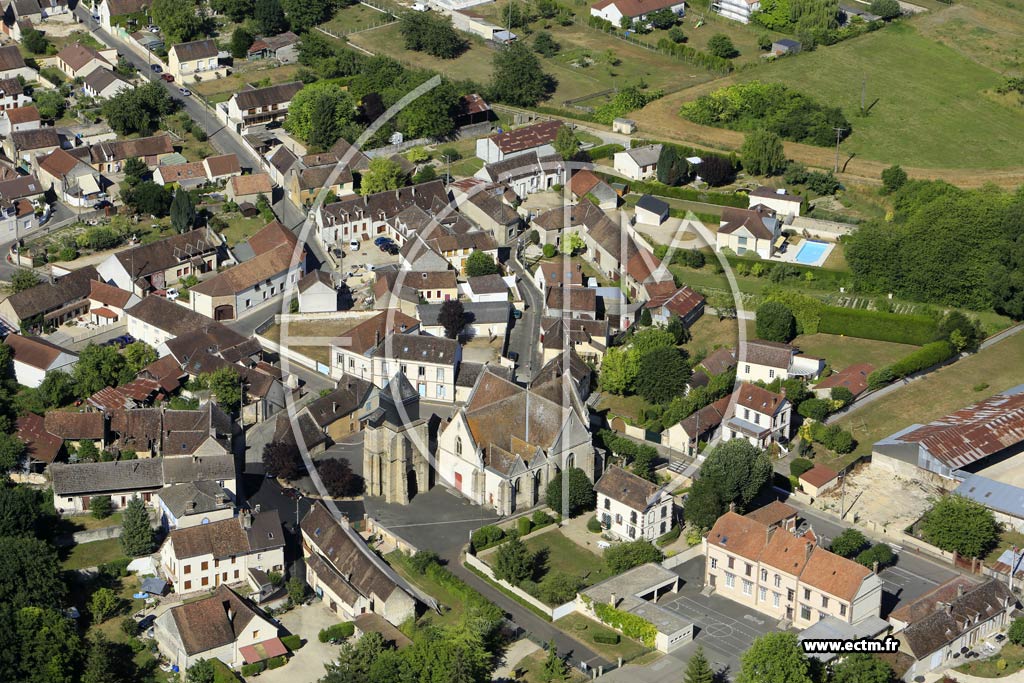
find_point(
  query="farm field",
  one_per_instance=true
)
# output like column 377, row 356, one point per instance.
column 925, row 90
column 354, row 18
column 990, row 32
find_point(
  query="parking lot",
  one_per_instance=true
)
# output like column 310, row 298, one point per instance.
column 356, row 267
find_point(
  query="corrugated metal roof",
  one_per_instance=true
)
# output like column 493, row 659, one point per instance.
column 993, row 494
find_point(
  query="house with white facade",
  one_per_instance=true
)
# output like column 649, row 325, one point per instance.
column 195, row 61
column 755, row 231
column 760, row 416
column 156, row 321
column 203, row 556
column 259, row 106
column 193, row 503
column 737, row 10
column 638, row 163
column 486, row 289
column 162, row 264
column 525, row 173
column 765, row 361
column 112, row 13
column 536, row 137
column 778, row 200
column 637, row 10
column 630, row 507
column 317, row 293
column 34, row 358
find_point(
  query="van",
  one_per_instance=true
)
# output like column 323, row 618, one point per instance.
column 420, row 7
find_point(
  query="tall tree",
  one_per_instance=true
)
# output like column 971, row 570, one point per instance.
column 338, row 477
column 319, row 113
column 959, row 524
column 23, row 279
column 663, row 375
column 452, row 318
column 137, row 536
column 138, row 355
column 103, row 665
column 283, row 460
column 775, row 322
column 183, row 211
column 862, row 668
column 554, row 667
column 50, row 650
column 304, row 14
column 19, row 510
column 480, row 263
column 30, row 573
column 179, row 21
column 98, row 367
column 138, row 110
column 849, row 543
column 566, row 144
column 698, row 670
column 226, row 386
column 268, row 17
column 241, row 41
column 668, row 166
column 775, row 657
column 518, row 78
column 12, row 450
column 513, row 562
column 581, row 493
column 382, row 175
column 762, row 153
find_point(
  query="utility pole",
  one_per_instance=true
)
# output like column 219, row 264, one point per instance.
column 839, row 136
column 863, row 95
column 1013, row 565
column 842, row 500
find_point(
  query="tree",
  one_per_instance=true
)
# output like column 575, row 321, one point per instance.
column 861, row 667
column 815, row 409
column 86, row 451
column 734, row 472
column 841, row 394
column 663, row 375
column 432, row 114
column 19, row 510
column 46, row 646
column 56, row 390
column 716, row 171
column 268, row 17
column 241, row 41
column 513, row 562
column 645, row 318
column 762, row 153
column 296, row 588
column 721, row 46
column 880, row 553
column 183, row 211
column 958, row 524
column 382, row 175
column 12, row 450
column 50, row 103
column 135, row 170
column 137, row 537
column 619, row 369
column 698, row 670
column 338, row 477
column 98, row 367
column 432, row 33
column 893, row 178
column 849, row 543
column 545, row 45
column 517, row 77
column 100, row 507
column 103, row 665
column 678, row 329
column 1016, row 632
column 673, row 168
column 35, row 41
column 558, row 588
column 180, row 22
column 103, row 604
column 201, row 671
column 30, row 573
column 148, row 198
column 320, row 113
column 775, row 322
column 887, row 9
column 452, row 318
column 138, row 355
column 676, row 35
column 226, row 386
column 23, row 279
column 237, row 10
column 775, row 657
column 581, row 493
column 424, row 175
column 480, row 263
column 305, row 14
column 138, row 110
column 554, row 667
column 663, row 18
column 622, row 557
column 566, row 145
column 282, row 460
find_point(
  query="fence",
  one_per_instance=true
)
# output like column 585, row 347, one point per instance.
column 294, row 357
column 683, row 557
column 562, row 610
column 817, row 227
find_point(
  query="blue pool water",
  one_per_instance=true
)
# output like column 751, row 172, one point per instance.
column 811, row 252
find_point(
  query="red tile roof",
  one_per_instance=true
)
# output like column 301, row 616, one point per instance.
column 527, row 137
column 854, row 378
column 819, row 475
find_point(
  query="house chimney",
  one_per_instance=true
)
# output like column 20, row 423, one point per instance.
column 874, row 566
column 334, row 406
column 247, row 520
column 960, row 590
column 948, row 607
column 732, row 507
column 231, row 614
column 613, row 600
column 808, row 549
column 344, row 522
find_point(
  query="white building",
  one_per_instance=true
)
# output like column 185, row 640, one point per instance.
column 537, row 137
column 525, row 173
column 781, row 202
column 632, row 507
column 35, row 357
column 259, row 106
column 193, row 503
column 760, row 416
column 639, row 163
column 754, row 231
column 317, row 293
column 765, row 361
column 737, row 10
column 486, row 289
column 615, row 10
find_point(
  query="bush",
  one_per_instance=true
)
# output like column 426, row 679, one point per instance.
column 116, row 569
column 345, row 629
column 293, row 642
column 594, row 525
column 606, row 638
column 101, row 507
column 841, row 394
column 523, row 526
column 603, row 151
column 695, row 57
column 815, row 408
column 487, row 536
column 800, row 465
column 130, row 627
column 879, row 325
column 671, row 537
column 253, row 669
column 880, row 378
column 540, row 518
column 881, row 553
column 277, row 662
column 922, row 359
column 550, row 250
column 1016, row 632
column 624, row 556
column 422, row 560
column 775, row 322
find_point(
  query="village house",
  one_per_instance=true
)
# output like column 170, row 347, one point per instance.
column 104, row 84
column 571, row 302
column 12, row 65
column 818, row 480
column 195, row 61
column 701, row 426
column 615, row 10
column 162, row 264
column 488, row 320
column 854, row 378
column 760, row 416
column 109, row 156
column 765, row 361
column 72, row 180
column 41, row 447
column 955, row 615
column 76, row 485
column 24, row 146
column 588, row 338
column 631, row 507
column 222, row 167
column 750, row 231
column 193, row 503
column 338, row 412
column 506, row 443
column 551, row 274
column 188, row 176
column 202, row 556
column 586, row 185
column 243, row 189
column 34, row 358
column 650, row 210
column 78, row 61
column 308, row 175
column 258, row 106
column 486, row 289
column 684, row 303
column 491, row 210
column 536, row 137
column 430, row 363
column 49, row 304
column 12, row 94
column 223, row 626
column 778, row 200
column 525, row 173
column 347, row 575
column 107, row 304
column 317, row 293
column 19, row 118
column 284, row 47
column 737, row 10
column 253, row 282
column 638, row 163
column 785, row 576
column 157, row 321
column 113, row 13
column 78, row 427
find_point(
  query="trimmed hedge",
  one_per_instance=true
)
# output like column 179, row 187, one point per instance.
column 800, row 465
column 293, row 642
column 523, row 526
column 603, row 151
column 606, row 638
column 670, row 537
column 487, row 537
column 345, row 629
column 921, row 359
column 253, row 669
column 685, row 193
column 631, row 625
column 891, row 327
column 277, row 662
column 690, row 55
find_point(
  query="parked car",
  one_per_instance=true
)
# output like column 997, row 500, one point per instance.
column 167, row 77
column 517, row 314
column 156, row 68
column 381, row 241
column 393, row 249
column 101, row 204
column 513, row 356
column 354, row 245
column 172, row 294
column 185, row 92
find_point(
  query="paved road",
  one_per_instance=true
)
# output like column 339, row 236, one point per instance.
column 526, row 332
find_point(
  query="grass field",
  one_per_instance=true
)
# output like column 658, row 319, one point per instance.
column 93, row 554
column 532, row 668
column 259, row 74
column 842, row 352
column 240, row 228
column 583, row 629
column 988, row 668
column 925, row 92
column 563, row 555
column 452, row 604
column 990, row 32
column 624, row 406
column 354, row 18
column 939, row 393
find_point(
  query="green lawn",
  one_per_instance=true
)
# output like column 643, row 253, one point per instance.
column 939, row 393
column 628, row 407
column 710, row 333
column 451, row 604
column 841, row 352
column 1007, row 539
column 354, row 18
column 93, row 554
column 926, row 93
column 532, row 668
column 564, row 555
column 988, row 668
column 240, row 228
column 583, row 629
column 259, row 73
column 73, row 523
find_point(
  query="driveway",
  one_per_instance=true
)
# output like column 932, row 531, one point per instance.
column 308, row 663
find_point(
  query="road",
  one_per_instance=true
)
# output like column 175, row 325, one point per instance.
column 526, row 332
column 224, row 138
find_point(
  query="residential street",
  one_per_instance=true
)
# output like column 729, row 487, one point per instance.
column 525, row 334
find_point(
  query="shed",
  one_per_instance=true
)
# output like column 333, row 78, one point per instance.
column 651, row 210
column 786, row 46
column 624, row 126
column 818, row 479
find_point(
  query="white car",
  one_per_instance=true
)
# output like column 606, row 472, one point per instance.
column 420, row 7
column 172, row 294
column 354, row 245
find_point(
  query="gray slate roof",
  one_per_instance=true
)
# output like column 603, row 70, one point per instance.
column 99, row 477
column 484, row 313
column 194, row 498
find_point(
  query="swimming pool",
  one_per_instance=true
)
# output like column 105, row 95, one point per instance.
column 811, row 252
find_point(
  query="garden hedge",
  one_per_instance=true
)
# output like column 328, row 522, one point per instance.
column 891, row 327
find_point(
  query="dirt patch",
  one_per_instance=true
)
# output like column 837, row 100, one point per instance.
column 877, row 496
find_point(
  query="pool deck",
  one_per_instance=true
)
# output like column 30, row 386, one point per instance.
column 794, row 248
